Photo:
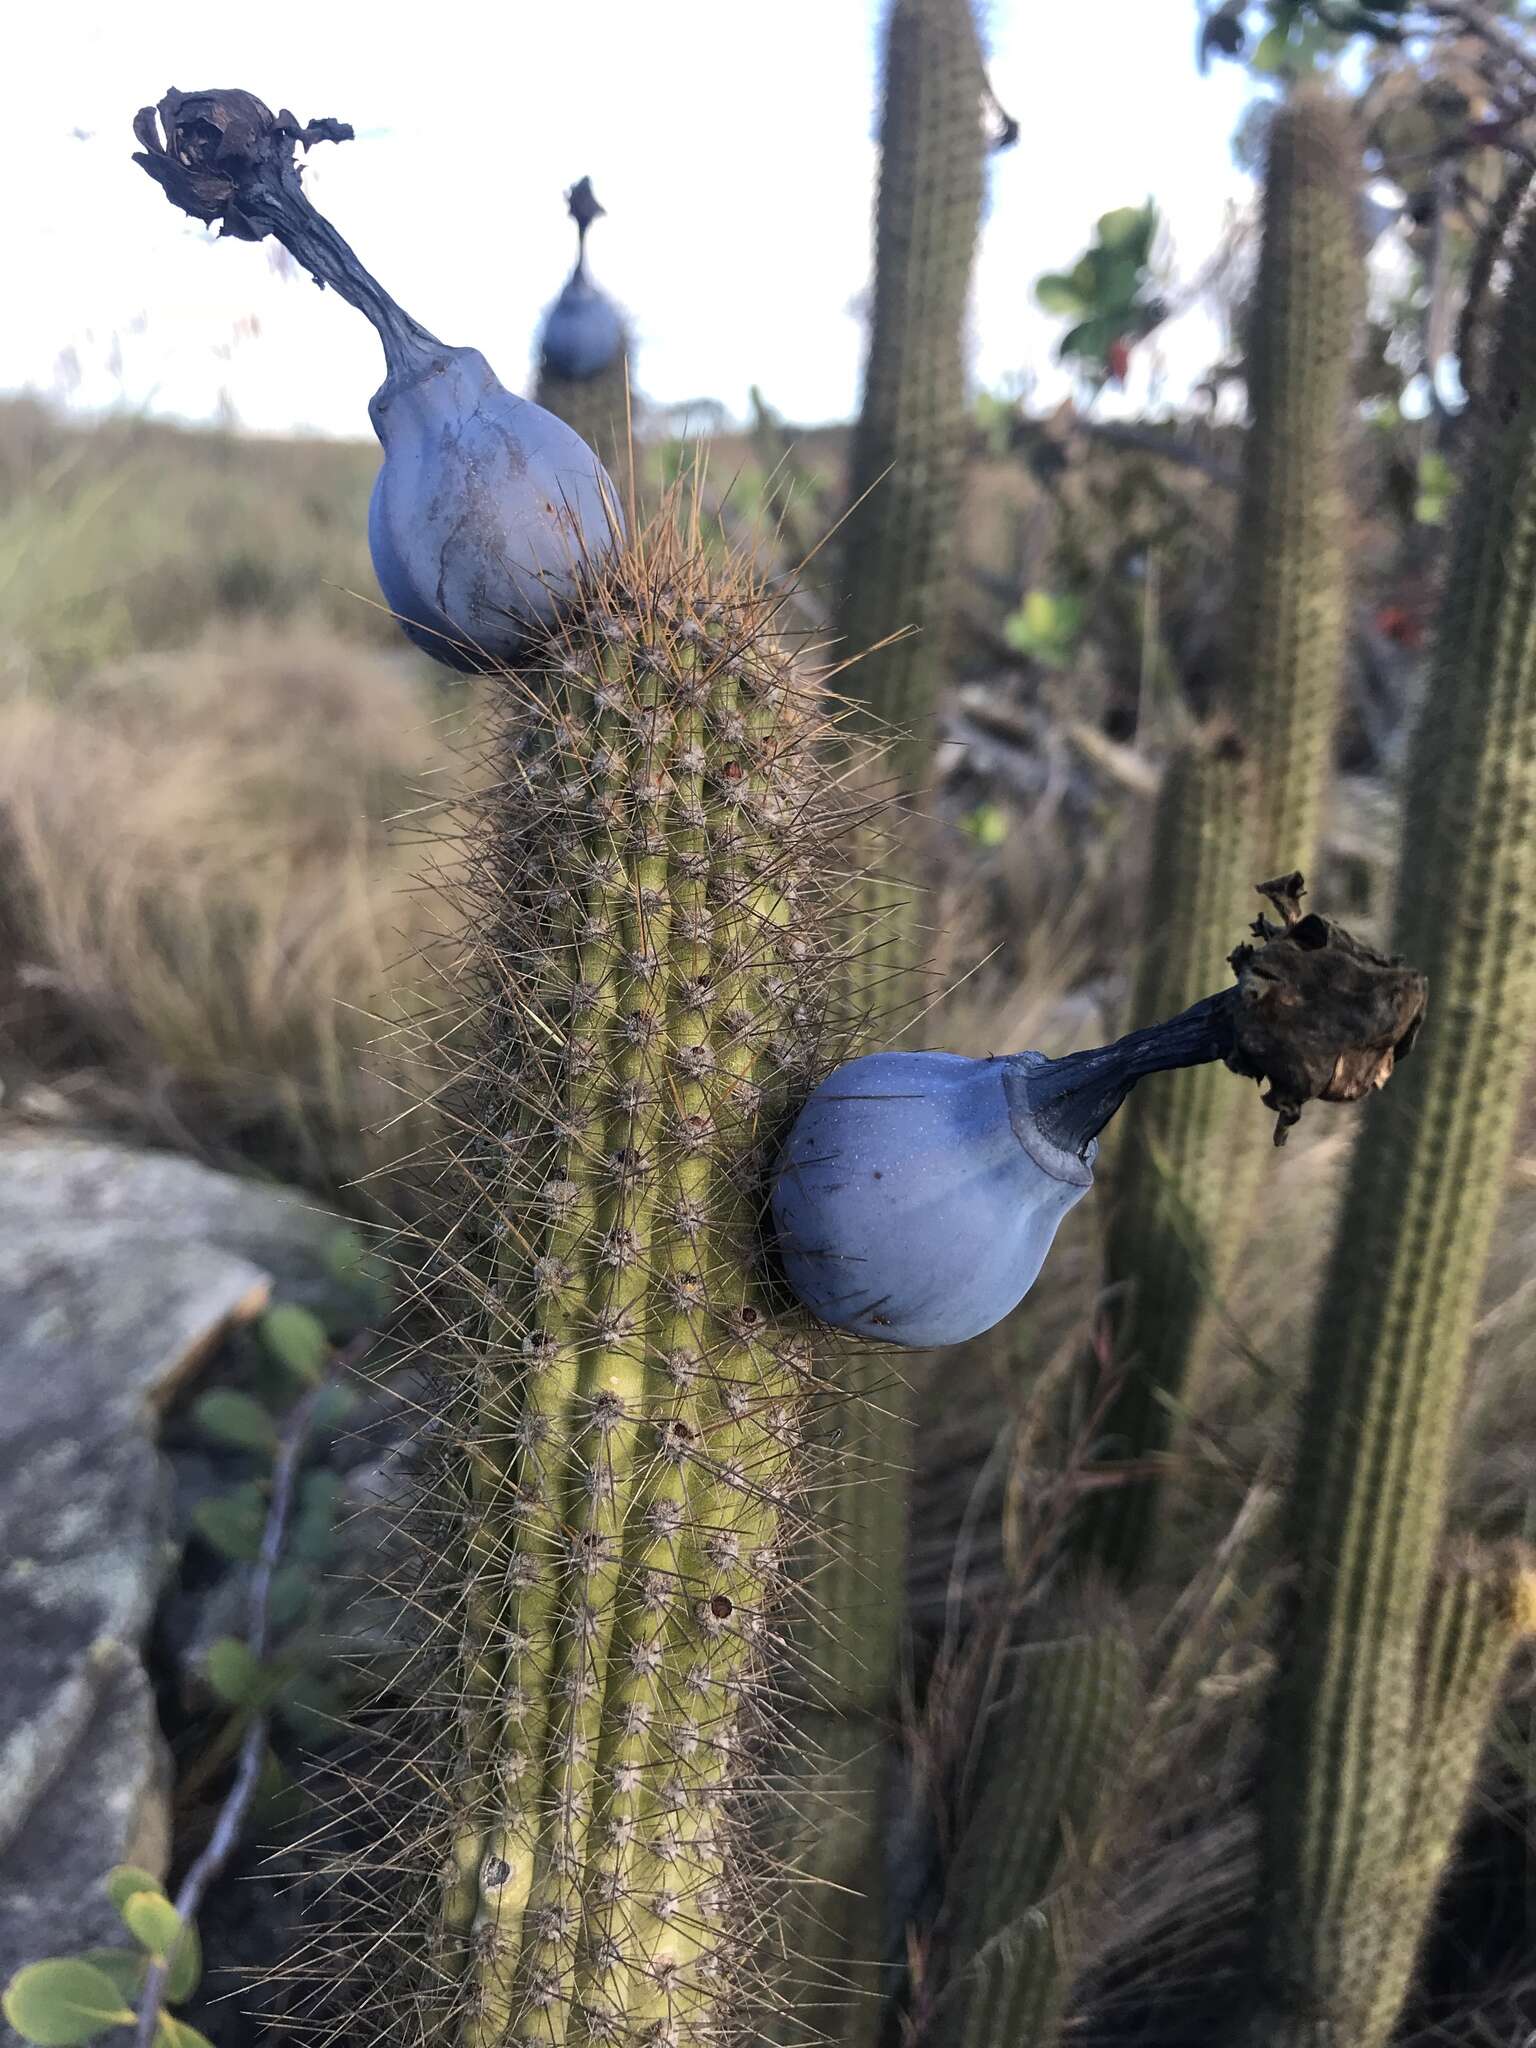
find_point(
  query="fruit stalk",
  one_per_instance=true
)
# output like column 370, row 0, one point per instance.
column 1346, row 1748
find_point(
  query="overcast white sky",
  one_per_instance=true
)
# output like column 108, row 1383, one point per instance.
column 732, row 144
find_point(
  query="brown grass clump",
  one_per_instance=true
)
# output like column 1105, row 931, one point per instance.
column 206, row 917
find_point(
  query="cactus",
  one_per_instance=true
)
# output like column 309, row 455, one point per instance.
column 895, row 572
column 629, row 1446
column 584, row 349
column 1346, row 1758
column 1290, row 612
column 1184, row 1178
column 909, row 443
column 647, row 971
column 1169, row 1224
column 1044, row 1781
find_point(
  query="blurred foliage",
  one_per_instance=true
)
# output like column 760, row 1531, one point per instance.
column 1109, row 294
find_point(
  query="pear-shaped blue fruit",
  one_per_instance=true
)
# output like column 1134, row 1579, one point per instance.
column 583, row 332
column 487, row 510
column 918, row 1193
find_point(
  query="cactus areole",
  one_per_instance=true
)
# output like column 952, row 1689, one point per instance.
column 583, row 334
column 918, row 1193
column 486, row 509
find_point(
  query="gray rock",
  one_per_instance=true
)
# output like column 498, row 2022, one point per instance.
column 300, row 1245
column 101, row 1321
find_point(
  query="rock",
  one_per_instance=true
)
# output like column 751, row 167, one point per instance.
column 100, row 1323
column 303, row 1248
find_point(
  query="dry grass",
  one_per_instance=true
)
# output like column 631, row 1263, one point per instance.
column 207, row 919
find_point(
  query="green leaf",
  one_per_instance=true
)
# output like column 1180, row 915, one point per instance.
column 312, row 1538
column 1273, row 53
column 124, row 1879
column 288, row 1601
column 1092, row 339
column 171, row 2032
column 296, row 1339
column 332, row 1406
column 1055, row 293
column 125, row 1966
column 237, row 1675
column 988, row 825
column 233, row 1522
column 1045, row 627
column 153, row 1922
column 186, row 1968
column 63, row 2002
column 234, row 1418
column 1127, row 231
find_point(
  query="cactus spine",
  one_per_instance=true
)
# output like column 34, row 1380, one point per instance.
column 1347, row 1750
column 1180, row 1201
column 909, row 443
column 646, row 943
column 1044, row 1779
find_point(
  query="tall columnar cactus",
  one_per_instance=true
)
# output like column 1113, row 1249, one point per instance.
column 584, row 350
column 647, row 969
column 895, row 573
column 1043, row 1784
column 909, row 443
column 626, row 1444
column 1290, row 610
column 1169, row 1221
column 1355, row 1722
column 1182, row 1183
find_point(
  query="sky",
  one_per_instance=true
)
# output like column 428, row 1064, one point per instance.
column 732, row 144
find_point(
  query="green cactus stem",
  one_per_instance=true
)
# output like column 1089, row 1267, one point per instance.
column 1291, row 603
column 649, row 946
column 597, row 406
column 1169, row 1221
column 1346, row 1760
column 909, row 443
column 1184, row 1181
column 895, row 574
column 1044, row 1781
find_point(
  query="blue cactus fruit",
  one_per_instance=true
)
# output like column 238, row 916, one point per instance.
column 583, row 332
column 918, row 1193
column 487, row 509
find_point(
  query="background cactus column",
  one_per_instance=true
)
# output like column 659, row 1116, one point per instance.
column 909, row 443
column 648, row 948
column 896, row 572
column 1356, row 1724
column 584, row 351
column 1182, row 1178
column 1045, row 1779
